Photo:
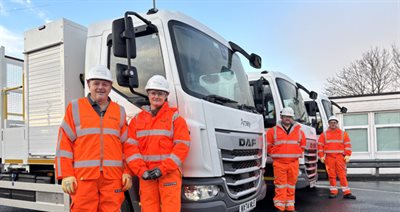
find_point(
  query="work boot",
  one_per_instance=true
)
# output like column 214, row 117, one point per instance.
column 349, row 196
column 332, row 196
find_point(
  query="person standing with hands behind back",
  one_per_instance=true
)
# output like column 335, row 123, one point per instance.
column 160, row 142
column 334, row 149
column 89, row 156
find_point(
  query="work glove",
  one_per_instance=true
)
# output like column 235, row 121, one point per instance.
column 322, row 160
column 69, row 184
column 126, row 182
column 155, row 173
column 146, row 175
column 347, row 158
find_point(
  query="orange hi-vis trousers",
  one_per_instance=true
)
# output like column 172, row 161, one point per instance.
column 163, row 194
column 336, row 167
column 285, row 179
column 101, row 194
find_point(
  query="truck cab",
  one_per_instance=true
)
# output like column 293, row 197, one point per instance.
column 224, row 168
column 272, row 92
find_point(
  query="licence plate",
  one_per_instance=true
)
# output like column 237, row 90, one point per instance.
column 247, row 206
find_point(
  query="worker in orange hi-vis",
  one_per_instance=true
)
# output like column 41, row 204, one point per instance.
column 334, row 149
column 89, row 157
column 159, row 143
column 285, row 144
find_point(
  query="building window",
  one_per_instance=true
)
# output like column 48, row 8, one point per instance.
column 356, row 125
column 387, row 131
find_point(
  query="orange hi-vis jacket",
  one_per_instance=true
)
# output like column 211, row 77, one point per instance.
column 334, row 141
column 161, row 141
column 283, row 146
column 89, row 143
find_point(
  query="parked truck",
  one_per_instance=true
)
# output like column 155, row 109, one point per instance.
column 225, row 166
column 272, row 92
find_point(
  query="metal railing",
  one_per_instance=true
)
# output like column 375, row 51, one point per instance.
column 374, row 163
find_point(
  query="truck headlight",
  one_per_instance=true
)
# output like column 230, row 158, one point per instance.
column 200, row 192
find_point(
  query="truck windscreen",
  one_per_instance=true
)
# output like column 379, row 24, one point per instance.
column 207, row 68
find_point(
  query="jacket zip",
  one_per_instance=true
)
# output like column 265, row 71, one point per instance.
column 101, row 142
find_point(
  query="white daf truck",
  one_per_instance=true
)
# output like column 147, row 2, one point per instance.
column 224, row 168
column 272, row 92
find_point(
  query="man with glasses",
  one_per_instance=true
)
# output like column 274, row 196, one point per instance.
column 160, row 142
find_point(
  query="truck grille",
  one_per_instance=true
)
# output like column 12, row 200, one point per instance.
column 242, row 171
column 311, row 159
column 241, row 158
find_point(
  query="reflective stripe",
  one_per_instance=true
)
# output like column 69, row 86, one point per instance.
column 110, row 131
column 347, row 148
column 290, row 201
column 320, row 150
column 134, row 157
column 280, row 204
column 285, row 155
column 275, row 136
column 117, row 163
column 175, row 116
column 91, row 131
column 132, row 141
column 187, row 143
column 153, row 133
column 333, row 188
column 66, row 154
column 285, row 186
column 300, row 135
column 176, row 159
column 334, row 151
column 121, row 116
column 303, row 147
column 153, row 158
column 346, row 142
column 87, row 131
column 58, row 158
column 334, row 141
column 86, row 163
column 75, row 114
column 289, row 204
column 286, row 142
column 321, row 144
column 124, row 136
column 67, row 129
column 345, row 188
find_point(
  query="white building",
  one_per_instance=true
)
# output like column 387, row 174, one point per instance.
column 373, row 124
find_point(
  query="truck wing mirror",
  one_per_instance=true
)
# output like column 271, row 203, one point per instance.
column 312, row 108
column 123, row 38
column 259, row 95
column 255, row 60
column 127, row 77
column 313, row 95
column 343, row 110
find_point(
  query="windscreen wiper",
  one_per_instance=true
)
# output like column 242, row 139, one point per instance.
column 218, row 99
column 247, row 108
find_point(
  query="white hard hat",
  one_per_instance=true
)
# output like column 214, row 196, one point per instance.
column 287, row 111
column 99, row 72
column 333, row 118
column 157, row 82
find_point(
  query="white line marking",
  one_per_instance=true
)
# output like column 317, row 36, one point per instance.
column 362, row 189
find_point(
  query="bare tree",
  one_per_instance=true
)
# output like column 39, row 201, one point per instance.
column 396, row 65
column 374, row 73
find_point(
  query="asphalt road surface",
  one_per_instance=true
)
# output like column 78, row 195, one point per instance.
column 371, row 196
